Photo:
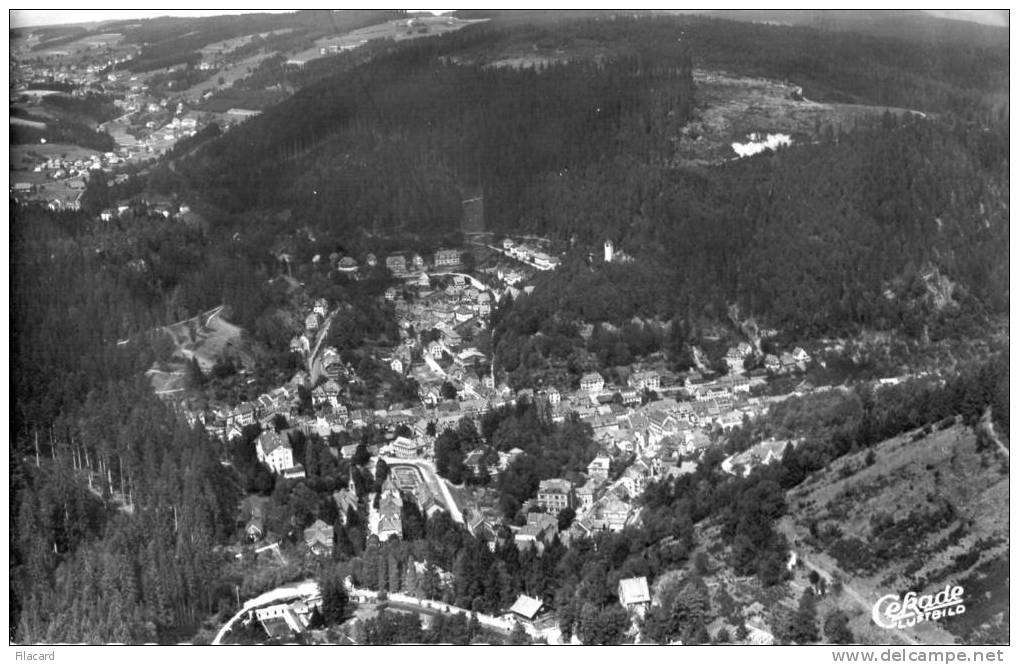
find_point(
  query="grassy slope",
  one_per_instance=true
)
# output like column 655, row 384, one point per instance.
column 970, row 548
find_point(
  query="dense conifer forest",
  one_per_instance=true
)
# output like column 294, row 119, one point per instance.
column 116, row 503
column 807, row 239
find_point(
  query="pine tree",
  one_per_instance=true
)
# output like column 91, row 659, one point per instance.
column 334, row 598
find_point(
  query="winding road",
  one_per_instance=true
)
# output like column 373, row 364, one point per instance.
column 930, row 631
column 305, row 589
column 320, row 337
column 308, row 589
column 855, row 595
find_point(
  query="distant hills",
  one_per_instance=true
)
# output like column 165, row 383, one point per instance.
column 568, row 123
column 900, row 24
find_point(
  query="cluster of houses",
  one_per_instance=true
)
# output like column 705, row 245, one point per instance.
column 530, row 253
column 333, row 49
column 227, row 423
column 462, row 304
column 177, row 128
column 84, row 70
column 654, row 439
column 159, row 122
column 411, row 266
column 284, row 619
column 785, row 363
column 161, row 208
column 433, row 327
column 599, row 504
column 633, row 594
column 616, row 411
column 659, row 438
column 58, row 168
column 64, row 195
column 385, row 518
column 314, row 320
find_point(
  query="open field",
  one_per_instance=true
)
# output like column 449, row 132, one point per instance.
column 24, row 122
column 204, row 340
column 32, row 114
column 224, row 47
column 86, row 42
column 103, row 39
column 396, row 30
column 22, row 158
column 242, row 99
column 169, row 380
column 47, row 190
column 228, row 74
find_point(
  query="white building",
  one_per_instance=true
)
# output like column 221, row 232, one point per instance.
column 649, row 380
column 592, row 383
column 273, row 450
column 599, row 467
column 447, row 257
column 555, row 494
column 634, row 594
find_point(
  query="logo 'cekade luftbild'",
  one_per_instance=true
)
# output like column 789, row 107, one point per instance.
column 894, row 611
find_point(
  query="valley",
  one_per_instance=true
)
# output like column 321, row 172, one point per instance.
column 523, row 327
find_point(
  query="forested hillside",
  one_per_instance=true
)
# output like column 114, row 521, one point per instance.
column 916, row 25
column 115, row 502
column 436, row 129
column 823, row 239
column 826, row 237
column 889, row 58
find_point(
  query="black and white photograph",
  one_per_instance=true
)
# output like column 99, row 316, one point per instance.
column 676, row 328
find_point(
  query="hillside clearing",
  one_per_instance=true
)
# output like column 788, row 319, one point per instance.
column 731, row 107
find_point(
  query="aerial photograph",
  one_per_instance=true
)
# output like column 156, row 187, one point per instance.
column 509, row 327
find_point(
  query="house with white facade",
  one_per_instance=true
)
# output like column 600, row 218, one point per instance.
column 273, row 450
column 592, row 383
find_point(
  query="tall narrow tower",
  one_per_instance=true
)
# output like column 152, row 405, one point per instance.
column 608, row 251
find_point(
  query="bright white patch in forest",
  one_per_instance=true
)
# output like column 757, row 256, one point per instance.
column 759, row 142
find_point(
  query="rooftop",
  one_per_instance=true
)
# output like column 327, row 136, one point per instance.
column 269, row 441
column 526, row 607
column 634, row 590
column 555, row 485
